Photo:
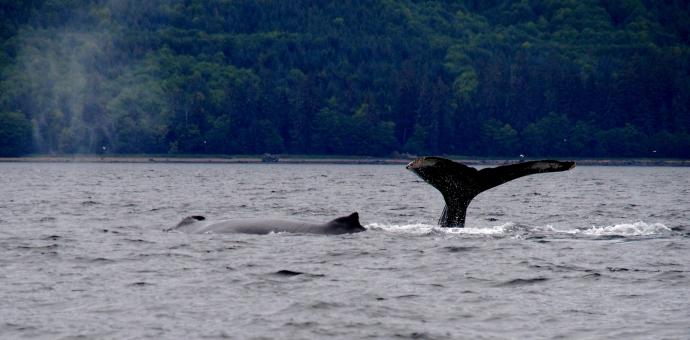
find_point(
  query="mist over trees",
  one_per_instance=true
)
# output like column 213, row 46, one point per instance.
column 484, row 78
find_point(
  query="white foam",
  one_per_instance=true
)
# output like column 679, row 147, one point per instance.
column 416, row 229
column 495, row 230
column 425, row 229
column 624, row 229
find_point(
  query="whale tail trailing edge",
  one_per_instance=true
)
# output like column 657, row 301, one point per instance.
column 459, row 183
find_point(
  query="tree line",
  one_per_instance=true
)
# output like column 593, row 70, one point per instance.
column 479, row 78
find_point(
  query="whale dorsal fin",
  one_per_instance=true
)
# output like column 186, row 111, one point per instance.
column 350, row 220
column 189, row 220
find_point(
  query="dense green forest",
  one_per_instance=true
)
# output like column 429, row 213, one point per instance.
column 603, row 78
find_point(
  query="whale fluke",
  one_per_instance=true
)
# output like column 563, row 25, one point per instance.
column 459, row 183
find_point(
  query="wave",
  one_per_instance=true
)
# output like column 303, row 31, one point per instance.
column 639, row 228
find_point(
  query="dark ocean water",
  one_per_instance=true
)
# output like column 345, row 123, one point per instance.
column 596, row 252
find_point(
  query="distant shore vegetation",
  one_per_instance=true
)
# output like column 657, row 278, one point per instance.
column 479, row 78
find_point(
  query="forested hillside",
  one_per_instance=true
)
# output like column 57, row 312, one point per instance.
column 474, row 77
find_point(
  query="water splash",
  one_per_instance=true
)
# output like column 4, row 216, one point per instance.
column 639, row 228
column 414, row 229
column 427, row 229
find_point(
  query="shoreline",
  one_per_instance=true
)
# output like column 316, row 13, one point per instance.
column 323, row 160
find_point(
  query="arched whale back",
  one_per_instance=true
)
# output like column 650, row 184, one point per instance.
column 459, row 183
column 341, row 225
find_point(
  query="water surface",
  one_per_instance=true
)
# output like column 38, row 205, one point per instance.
column 593, row 252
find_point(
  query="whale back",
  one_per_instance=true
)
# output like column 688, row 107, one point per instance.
column 341, row 225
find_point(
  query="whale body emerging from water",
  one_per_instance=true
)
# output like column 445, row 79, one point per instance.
column 199, row 225
column 459, row 183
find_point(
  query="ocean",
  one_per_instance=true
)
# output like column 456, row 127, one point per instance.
column 595, row 252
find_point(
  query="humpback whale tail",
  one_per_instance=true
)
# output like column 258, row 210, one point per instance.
column 459, row 183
